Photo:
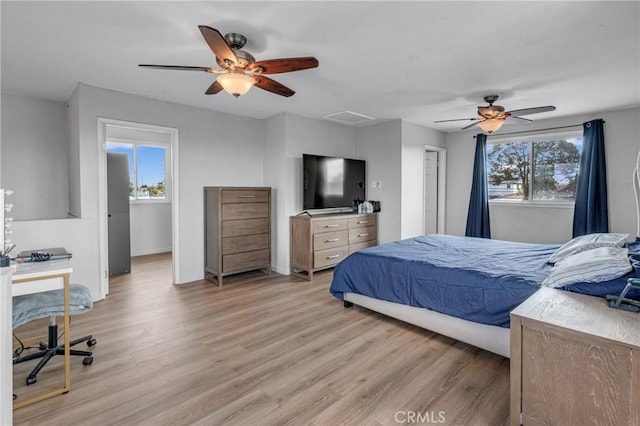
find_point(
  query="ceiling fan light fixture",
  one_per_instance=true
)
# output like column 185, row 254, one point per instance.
column 490, row 125
column 236, row 84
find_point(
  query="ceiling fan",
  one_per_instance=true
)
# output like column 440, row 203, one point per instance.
column 238, row 70
column 492, row 117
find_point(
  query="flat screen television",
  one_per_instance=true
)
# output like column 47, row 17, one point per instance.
column 332, row 182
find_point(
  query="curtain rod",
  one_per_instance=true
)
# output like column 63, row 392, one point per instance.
column 536, row 130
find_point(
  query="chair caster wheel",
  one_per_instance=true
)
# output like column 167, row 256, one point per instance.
column 31, row 380
column 87, row 360
column 91, row 342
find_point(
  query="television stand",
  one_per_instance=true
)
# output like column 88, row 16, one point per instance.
column 322, row 241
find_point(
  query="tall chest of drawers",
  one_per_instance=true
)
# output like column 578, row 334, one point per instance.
column 322, row 241
column 237, row 226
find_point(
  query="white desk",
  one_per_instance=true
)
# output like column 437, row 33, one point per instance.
column 35, row 277
column 6, row 365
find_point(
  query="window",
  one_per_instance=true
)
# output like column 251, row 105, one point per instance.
column 540, row 169
column 148, row 169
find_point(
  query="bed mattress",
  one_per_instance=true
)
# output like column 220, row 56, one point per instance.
column 476, row 279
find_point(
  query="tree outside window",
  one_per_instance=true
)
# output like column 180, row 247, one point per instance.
column 536, row 170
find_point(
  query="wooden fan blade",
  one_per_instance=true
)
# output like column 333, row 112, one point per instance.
column 535, row 110
column 276, row 66
column 472, row 125
column 214, row 88
column 517, row 120
column 177, row 67
column 273, row 86
column 218, row 44
column 457, row 119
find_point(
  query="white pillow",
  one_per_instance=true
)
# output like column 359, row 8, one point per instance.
column 588, row 242
column 599, row 264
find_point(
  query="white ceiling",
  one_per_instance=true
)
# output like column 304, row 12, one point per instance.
column 419, row 61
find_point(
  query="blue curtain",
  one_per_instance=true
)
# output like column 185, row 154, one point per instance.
column 478, row 216
column 591, row 214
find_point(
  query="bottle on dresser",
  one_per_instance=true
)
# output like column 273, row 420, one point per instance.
column 365, row 207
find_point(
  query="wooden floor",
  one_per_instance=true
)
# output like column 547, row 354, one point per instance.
column 263, row 350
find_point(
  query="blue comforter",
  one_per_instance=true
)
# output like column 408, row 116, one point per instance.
column 476, row 279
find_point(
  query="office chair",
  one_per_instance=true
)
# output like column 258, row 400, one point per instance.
column 50, row 304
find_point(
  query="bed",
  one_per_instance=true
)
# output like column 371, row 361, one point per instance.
column 460, row 287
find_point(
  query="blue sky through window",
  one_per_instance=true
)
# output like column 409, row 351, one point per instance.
column 151, row 167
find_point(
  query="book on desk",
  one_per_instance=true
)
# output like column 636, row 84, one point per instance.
column 42, row 255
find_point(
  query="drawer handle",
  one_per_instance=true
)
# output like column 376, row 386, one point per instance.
column 247, row 227
column 361, row 222
column 363, row 235
column 335, row 256
column 332, row 240
column 331, row 226
column 247, row 196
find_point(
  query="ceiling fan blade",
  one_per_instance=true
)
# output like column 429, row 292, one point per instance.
column 535, row 110
column 214, row 88
column 457, row 119
column 218, row 44
column 472, row 125
column 517, row 120
column 178, row 67
column 275, row 66
column 270, row 85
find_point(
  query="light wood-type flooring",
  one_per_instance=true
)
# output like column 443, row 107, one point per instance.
column 262, row 350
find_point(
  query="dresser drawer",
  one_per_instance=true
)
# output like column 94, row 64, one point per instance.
column 245, row 211
column 244, row 196
column 327, row 240
column 236, row 228
column 329, row 257
column 329, row 225
column 245, row 261
column 360, row 246
column 232, row 245
column 360, row 235
column 362, row 221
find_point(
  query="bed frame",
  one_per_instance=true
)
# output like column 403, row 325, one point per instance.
column 489, row 337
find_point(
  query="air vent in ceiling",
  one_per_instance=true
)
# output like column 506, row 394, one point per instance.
column 348, row 117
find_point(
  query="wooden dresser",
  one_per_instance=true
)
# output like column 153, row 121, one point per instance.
column 320, row 242
column 237, row 226
column 574, row 361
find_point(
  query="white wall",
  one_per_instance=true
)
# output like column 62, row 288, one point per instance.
column 73, row 116
column 277, row 178
column 215, row 149
column 548, row 224
column 287, row 137
column 150, row 226
column 381, row 146
column 34, row 134
column 414, row 139
column 76, row 235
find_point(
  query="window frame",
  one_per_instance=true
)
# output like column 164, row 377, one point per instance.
column 167, row 168
column 532, row 138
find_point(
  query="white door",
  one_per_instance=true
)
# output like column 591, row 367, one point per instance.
column 431, row 192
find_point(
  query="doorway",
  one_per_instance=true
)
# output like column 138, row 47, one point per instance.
column 152, row 194
column 435, row 162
